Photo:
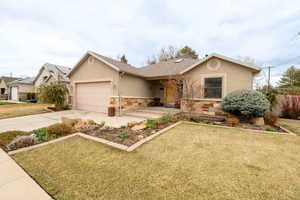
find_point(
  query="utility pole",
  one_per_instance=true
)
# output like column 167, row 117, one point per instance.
column 269, row 76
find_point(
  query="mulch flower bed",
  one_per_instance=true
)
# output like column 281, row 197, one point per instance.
column 125, row 135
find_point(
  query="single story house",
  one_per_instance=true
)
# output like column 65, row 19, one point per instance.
column 4, row 86
column 20, row 88
column 50, row 73
column 99, row 82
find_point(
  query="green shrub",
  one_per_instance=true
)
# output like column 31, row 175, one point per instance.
column 152, row 123
column 168, row 118
column 271, row 129
column 123, row 135
column 58, row 130
column 246, row 103
column 31, row 96
column 41, row 134
column 54, row 94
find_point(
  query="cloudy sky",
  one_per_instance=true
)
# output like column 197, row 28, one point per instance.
column 60, row 32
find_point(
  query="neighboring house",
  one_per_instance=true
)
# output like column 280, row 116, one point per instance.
column 99, row 82
column 4, row 86
column 20, row 88
column 50, row 73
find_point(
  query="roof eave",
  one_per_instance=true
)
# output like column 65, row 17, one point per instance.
column 253, row 68
column 90, row 53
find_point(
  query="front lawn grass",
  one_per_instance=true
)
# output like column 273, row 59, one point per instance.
column 187, row 162
column 290, row 124
column 17, row 110
column 6, row 103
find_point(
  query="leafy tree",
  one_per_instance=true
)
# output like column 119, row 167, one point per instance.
column 290, row 78
column 55, row 93
column 187, row 52
column 123, row 59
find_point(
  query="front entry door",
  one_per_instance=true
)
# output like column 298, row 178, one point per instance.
column 170, row 95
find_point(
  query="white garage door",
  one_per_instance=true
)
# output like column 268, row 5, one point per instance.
column 93, row 96
column 14, row 94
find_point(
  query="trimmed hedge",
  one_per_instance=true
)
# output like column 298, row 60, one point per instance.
column 246, row 103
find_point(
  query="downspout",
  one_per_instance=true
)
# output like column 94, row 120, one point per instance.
column 120, row 75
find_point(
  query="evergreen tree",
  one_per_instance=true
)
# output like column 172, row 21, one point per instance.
column 290, row 78
column 187, row 52
column 123, row 59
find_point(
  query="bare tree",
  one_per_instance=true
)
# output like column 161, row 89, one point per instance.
column 248, row 60
column 187, row 89
column 165, row 54
column 151, row 60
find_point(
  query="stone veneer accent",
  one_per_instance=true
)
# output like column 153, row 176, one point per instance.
column 130, row 103
column 202, row 106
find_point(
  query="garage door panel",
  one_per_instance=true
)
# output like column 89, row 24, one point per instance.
column 93, row 96
column 14, row 93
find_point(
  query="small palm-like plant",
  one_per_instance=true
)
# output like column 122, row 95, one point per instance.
column 54, row 94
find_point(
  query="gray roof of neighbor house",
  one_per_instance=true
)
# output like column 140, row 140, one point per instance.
column 57, row 71
column 23, row 81
column 162, row 69
column 8, row 79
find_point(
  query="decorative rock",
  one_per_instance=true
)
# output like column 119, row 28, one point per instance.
column 140, row 137
column 258, row 121
column 132, row 124
column 138, row 127
column 22, row 141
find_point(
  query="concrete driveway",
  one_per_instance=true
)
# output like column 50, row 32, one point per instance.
column 31, row 122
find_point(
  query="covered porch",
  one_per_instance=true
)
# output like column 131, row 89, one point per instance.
column 165, row 94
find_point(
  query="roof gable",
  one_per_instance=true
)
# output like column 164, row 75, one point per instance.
column 56, row 71
column 114, row 64
column 244, row 64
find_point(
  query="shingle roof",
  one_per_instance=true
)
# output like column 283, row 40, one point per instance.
column 161, row 69
column 166, row 68
column 56, row 71
column 23, row 81
column 8, row 79
column 122, row 66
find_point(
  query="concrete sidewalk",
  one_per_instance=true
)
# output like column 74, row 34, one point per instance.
column 15, row 184
column 31, row 122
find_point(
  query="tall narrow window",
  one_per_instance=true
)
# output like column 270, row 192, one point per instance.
column 213, row 87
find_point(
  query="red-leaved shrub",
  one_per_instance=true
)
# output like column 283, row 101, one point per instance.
column 290, row 106
column 271, row 119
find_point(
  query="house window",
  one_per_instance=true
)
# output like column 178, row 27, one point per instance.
column 213, row 87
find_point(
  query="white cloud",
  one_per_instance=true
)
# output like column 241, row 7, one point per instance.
column 35, row 32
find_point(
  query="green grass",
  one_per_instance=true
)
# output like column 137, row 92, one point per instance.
column 8, row 136
column 187, row 162
column 6, row 103
column 18, row 110
column 290, row 124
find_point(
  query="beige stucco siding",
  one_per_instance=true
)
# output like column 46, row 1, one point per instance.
column 134, row 86
column 40, row 78
column 25, row 88
column 94, row 70
column 234, row 76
